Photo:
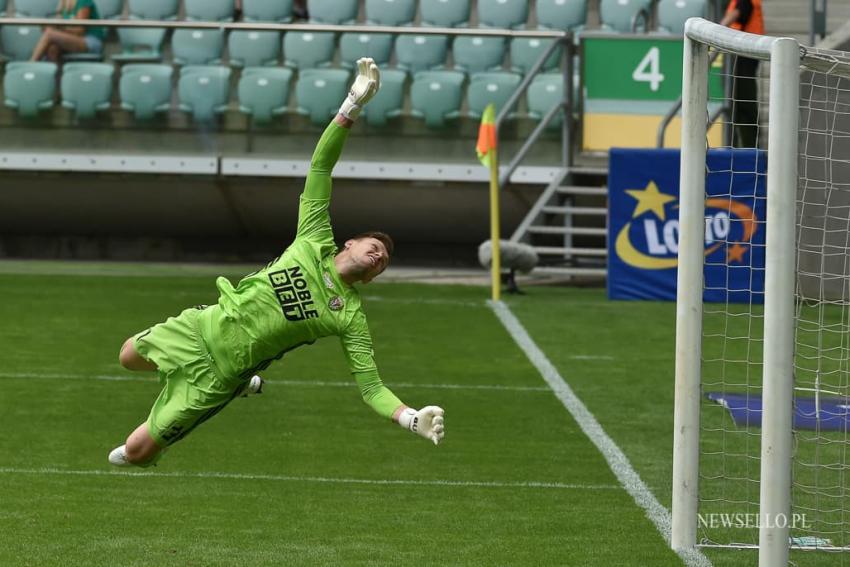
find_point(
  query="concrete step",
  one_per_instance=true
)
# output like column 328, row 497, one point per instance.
column 589, row 211
column 570, row 251
column 573, row 190
column 587, row 231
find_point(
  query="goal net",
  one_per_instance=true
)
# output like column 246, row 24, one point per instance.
column 761, row 450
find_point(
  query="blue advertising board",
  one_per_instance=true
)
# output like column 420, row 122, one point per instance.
column 643, row 224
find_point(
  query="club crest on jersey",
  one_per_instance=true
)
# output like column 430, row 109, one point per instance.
column 329, row 283
column 336, row 303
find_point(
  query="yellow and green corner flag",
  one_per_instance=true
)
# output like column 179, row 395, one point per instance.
column 486, row 150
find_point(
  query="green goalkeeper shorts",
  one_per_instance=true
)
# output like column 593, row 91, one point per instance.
column 193, row 388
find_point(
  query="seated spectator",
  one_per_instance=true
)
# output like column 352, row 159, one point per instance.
column 70, row 39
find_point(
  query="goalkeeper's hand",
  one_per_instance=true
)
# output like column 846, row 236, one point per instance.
column 427, row 422
column 365, row 85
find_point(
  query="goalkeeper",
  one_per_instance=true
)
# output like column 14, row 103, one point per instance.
column 207, row 356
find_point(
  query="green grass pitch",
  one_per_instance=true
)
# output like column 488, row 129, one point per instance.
column 306, row 474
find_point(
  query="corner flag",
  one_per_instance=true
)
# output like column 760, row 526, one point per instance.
column 487, row 153
column 487, row 135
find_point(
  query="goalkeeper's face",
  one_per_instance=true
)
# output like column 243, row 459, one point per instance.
column 369, row 255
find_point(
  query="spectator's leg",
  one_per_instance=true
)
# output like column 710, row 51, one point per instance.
column 745, row 113
column 53, row 53
column 40, row 49
column 67, row 42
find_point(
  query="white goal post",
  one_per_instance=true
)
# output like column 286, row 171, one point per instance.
column 783, row 55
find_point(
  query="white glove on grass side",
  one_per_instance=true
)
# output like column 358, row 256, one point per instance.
column 427, row 422
column 365, row 85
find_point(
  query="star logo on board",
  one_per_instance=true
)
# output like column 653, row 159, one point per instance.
column 650, row 199
column 735, row 253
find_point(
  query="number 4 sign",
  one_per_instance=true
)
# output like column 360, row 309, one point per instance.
column 649, row 69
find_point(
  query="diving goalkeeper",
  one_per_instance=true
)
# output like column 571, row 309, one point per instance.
column 207, row 356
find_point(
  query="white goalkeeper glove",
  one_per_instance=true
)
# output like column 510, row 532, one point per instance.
column 365, row 85
column 427, row 422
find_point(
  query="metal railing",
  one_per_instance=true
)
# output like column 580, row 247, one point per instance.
column 565, row 42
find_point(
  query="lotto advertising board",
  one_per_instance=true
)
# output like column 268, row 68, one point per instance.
column 643, row 224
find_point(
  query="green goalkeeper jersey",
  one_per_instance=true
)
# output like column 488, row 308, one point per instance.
column 298, row 297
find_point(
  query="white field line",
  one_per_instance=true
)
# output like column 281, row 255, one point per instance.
column 150, row 377
column 617, row 460
column 310, row 479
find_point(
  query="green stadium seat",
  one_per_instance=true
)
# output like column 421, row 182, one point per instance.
column 197, row 47
column 203, row 91
column 619, row 15
column 389, row 101
column 253, row 48
column 140, row 45
column 333, row 11
column 263, row 92
column 145, row 89
column 267, row 10
column 421, row 52
column 29, row 87
column 109, row 9
column 353, row 46
column 526, row 51
column 36, row 8
column 436, row 96
column 545, row 91
column 473, row 54
column 562, row 14
column 19, row 41
column 445, row 13
column 209, row 10
column 308, row 50
column 153, row 9
column 319, row 93
column 672, row 14
column 494, row 87
column 502, row 13
column 87, row 87
column 390, row 12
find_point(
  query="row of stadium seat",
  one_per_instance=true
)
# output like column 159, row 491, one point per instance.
column 616, row 15
column 263, row 92
column 305, row 50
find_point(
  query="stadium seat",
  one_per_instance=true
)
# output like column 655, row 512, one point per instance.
column 545, row 91
column 319, row 93
column 140, row 45
column 562, row 14
column 672, row 14
column 253, row 48
column 390, row 12
column 502, row 13
column 526, row 51
column 263, row 92
column 307, row 50
column 209, row 10
column 153, row 9
column 109, row 9
column 87, row 87
column 389, row 101
column 197, row 47
column 203, row 91
column 473, row 54
column 421, row 52
column 621, row 15
column 485, row 88
column 353, row 46
column 145, row 89
column 29, row 87
column 19, row 41
column 333, row 11
column 436, row 96
column 445, row 13
column 36, row 8
column 267, row 10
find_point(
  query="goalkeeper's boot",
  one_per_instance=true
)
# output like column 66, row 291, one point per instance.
column 118, row 457
column 255, row 386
